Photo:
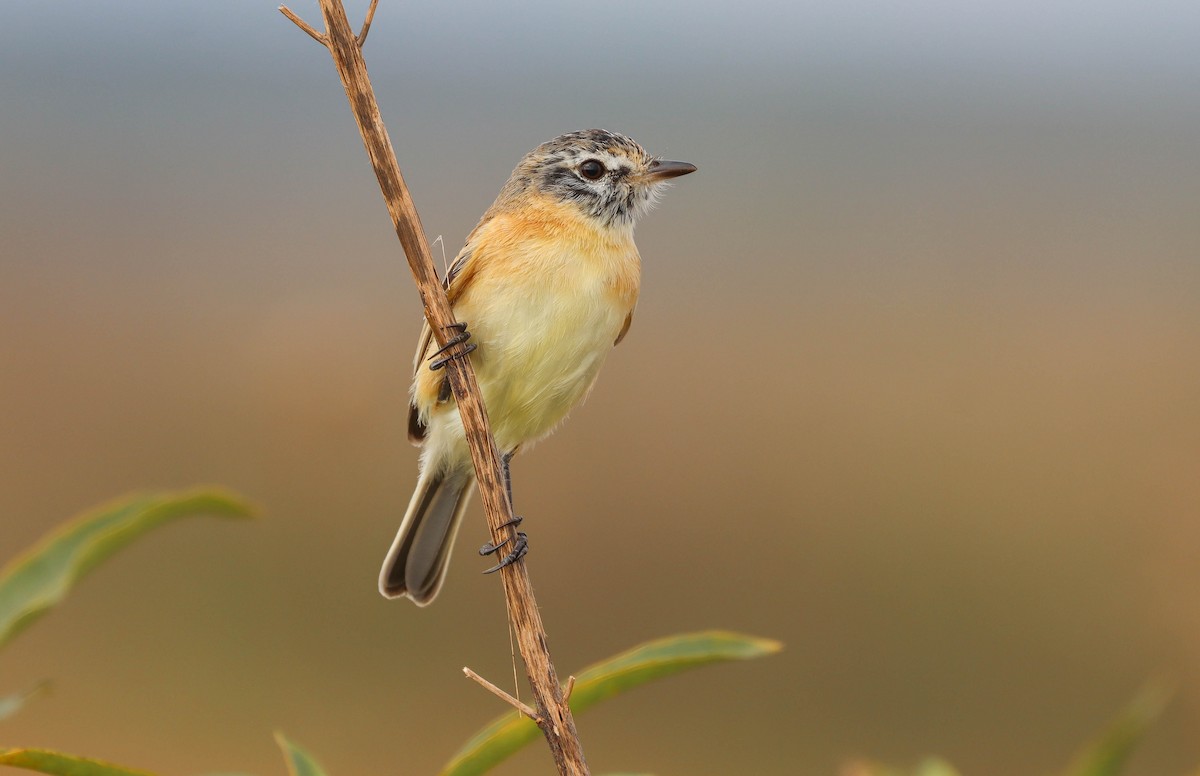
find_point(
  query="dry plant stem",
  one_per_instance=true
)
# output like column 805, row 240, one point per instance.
column 554, row 715
column 502, row 695
column 318, row 37
column 370, row 17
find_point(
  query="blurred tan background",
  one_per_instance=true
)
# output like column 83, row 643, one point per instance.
column 913, row 385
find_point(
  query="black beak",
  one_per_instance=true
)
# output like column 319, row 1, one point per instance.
column 661, row 171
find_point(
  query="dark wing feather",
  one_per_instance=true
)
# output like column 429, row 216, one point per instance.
column 456, row 267
column 624, row 329
column 416, row 429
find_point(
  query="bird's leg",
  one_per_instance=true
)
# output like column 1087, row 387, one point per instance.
column 521, row 545
column 504, row 462
column 462, row 336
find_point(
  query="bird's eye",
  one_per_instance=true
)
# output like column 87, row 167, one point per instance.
column 592, row 170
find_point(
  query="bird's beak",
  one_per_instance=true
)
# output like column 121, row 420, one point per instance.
column 661, row 171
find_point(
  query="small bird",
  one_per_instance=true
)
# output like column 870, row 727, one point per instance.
column 546, row 282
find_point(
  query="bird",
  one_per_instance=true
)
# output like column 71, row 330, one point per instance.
column 544, row 287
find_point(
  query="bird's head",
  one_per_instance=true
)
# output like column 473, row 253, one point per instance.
column 608, row 177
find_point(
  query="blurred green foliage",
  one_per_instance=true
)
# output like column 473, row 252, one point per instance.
column 37, row 580
column 299, row 762
column 41, row 578
column 32, row 583
column 644, row 663
column 932, row 766
column 1108, row 753
column 64, row 765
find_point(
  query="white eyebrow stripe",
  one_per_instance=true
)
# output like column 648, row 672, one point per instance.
column 609, row 160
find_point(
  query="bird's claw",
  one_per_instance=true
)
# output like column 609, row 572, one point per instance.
column 488, row 548
column 462, row 336
column 520, row 547
column 519, row 550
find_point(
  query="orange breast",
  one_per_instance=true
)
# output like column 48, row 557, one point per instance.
column 543, row 267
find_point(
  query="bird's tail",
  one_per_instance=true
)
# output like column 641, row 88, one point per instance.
column 416, row 563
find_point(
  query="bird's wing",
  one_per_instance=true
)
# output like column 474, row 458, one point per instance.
column 624, row 329
column 416, row 429
column 456, row 267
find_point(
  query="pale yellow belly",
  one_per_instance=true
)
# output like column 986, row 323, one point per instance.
column 538, row 356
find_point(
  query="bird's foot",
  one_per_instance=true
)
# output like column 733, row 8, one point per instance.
column 462, row 336
column 519, row 548
column 488, row 548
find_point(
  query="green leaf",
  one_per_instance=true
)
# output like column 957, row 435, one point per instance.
column 932, row 766
column 652, row 660
column 1108, row 753
column 37, row 580
column 61, row 764
column 299, row 762
column 11, row 704
column 935, row 766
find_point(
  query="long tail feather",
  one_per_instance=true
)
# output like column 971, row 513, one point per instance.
column 416, row 563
